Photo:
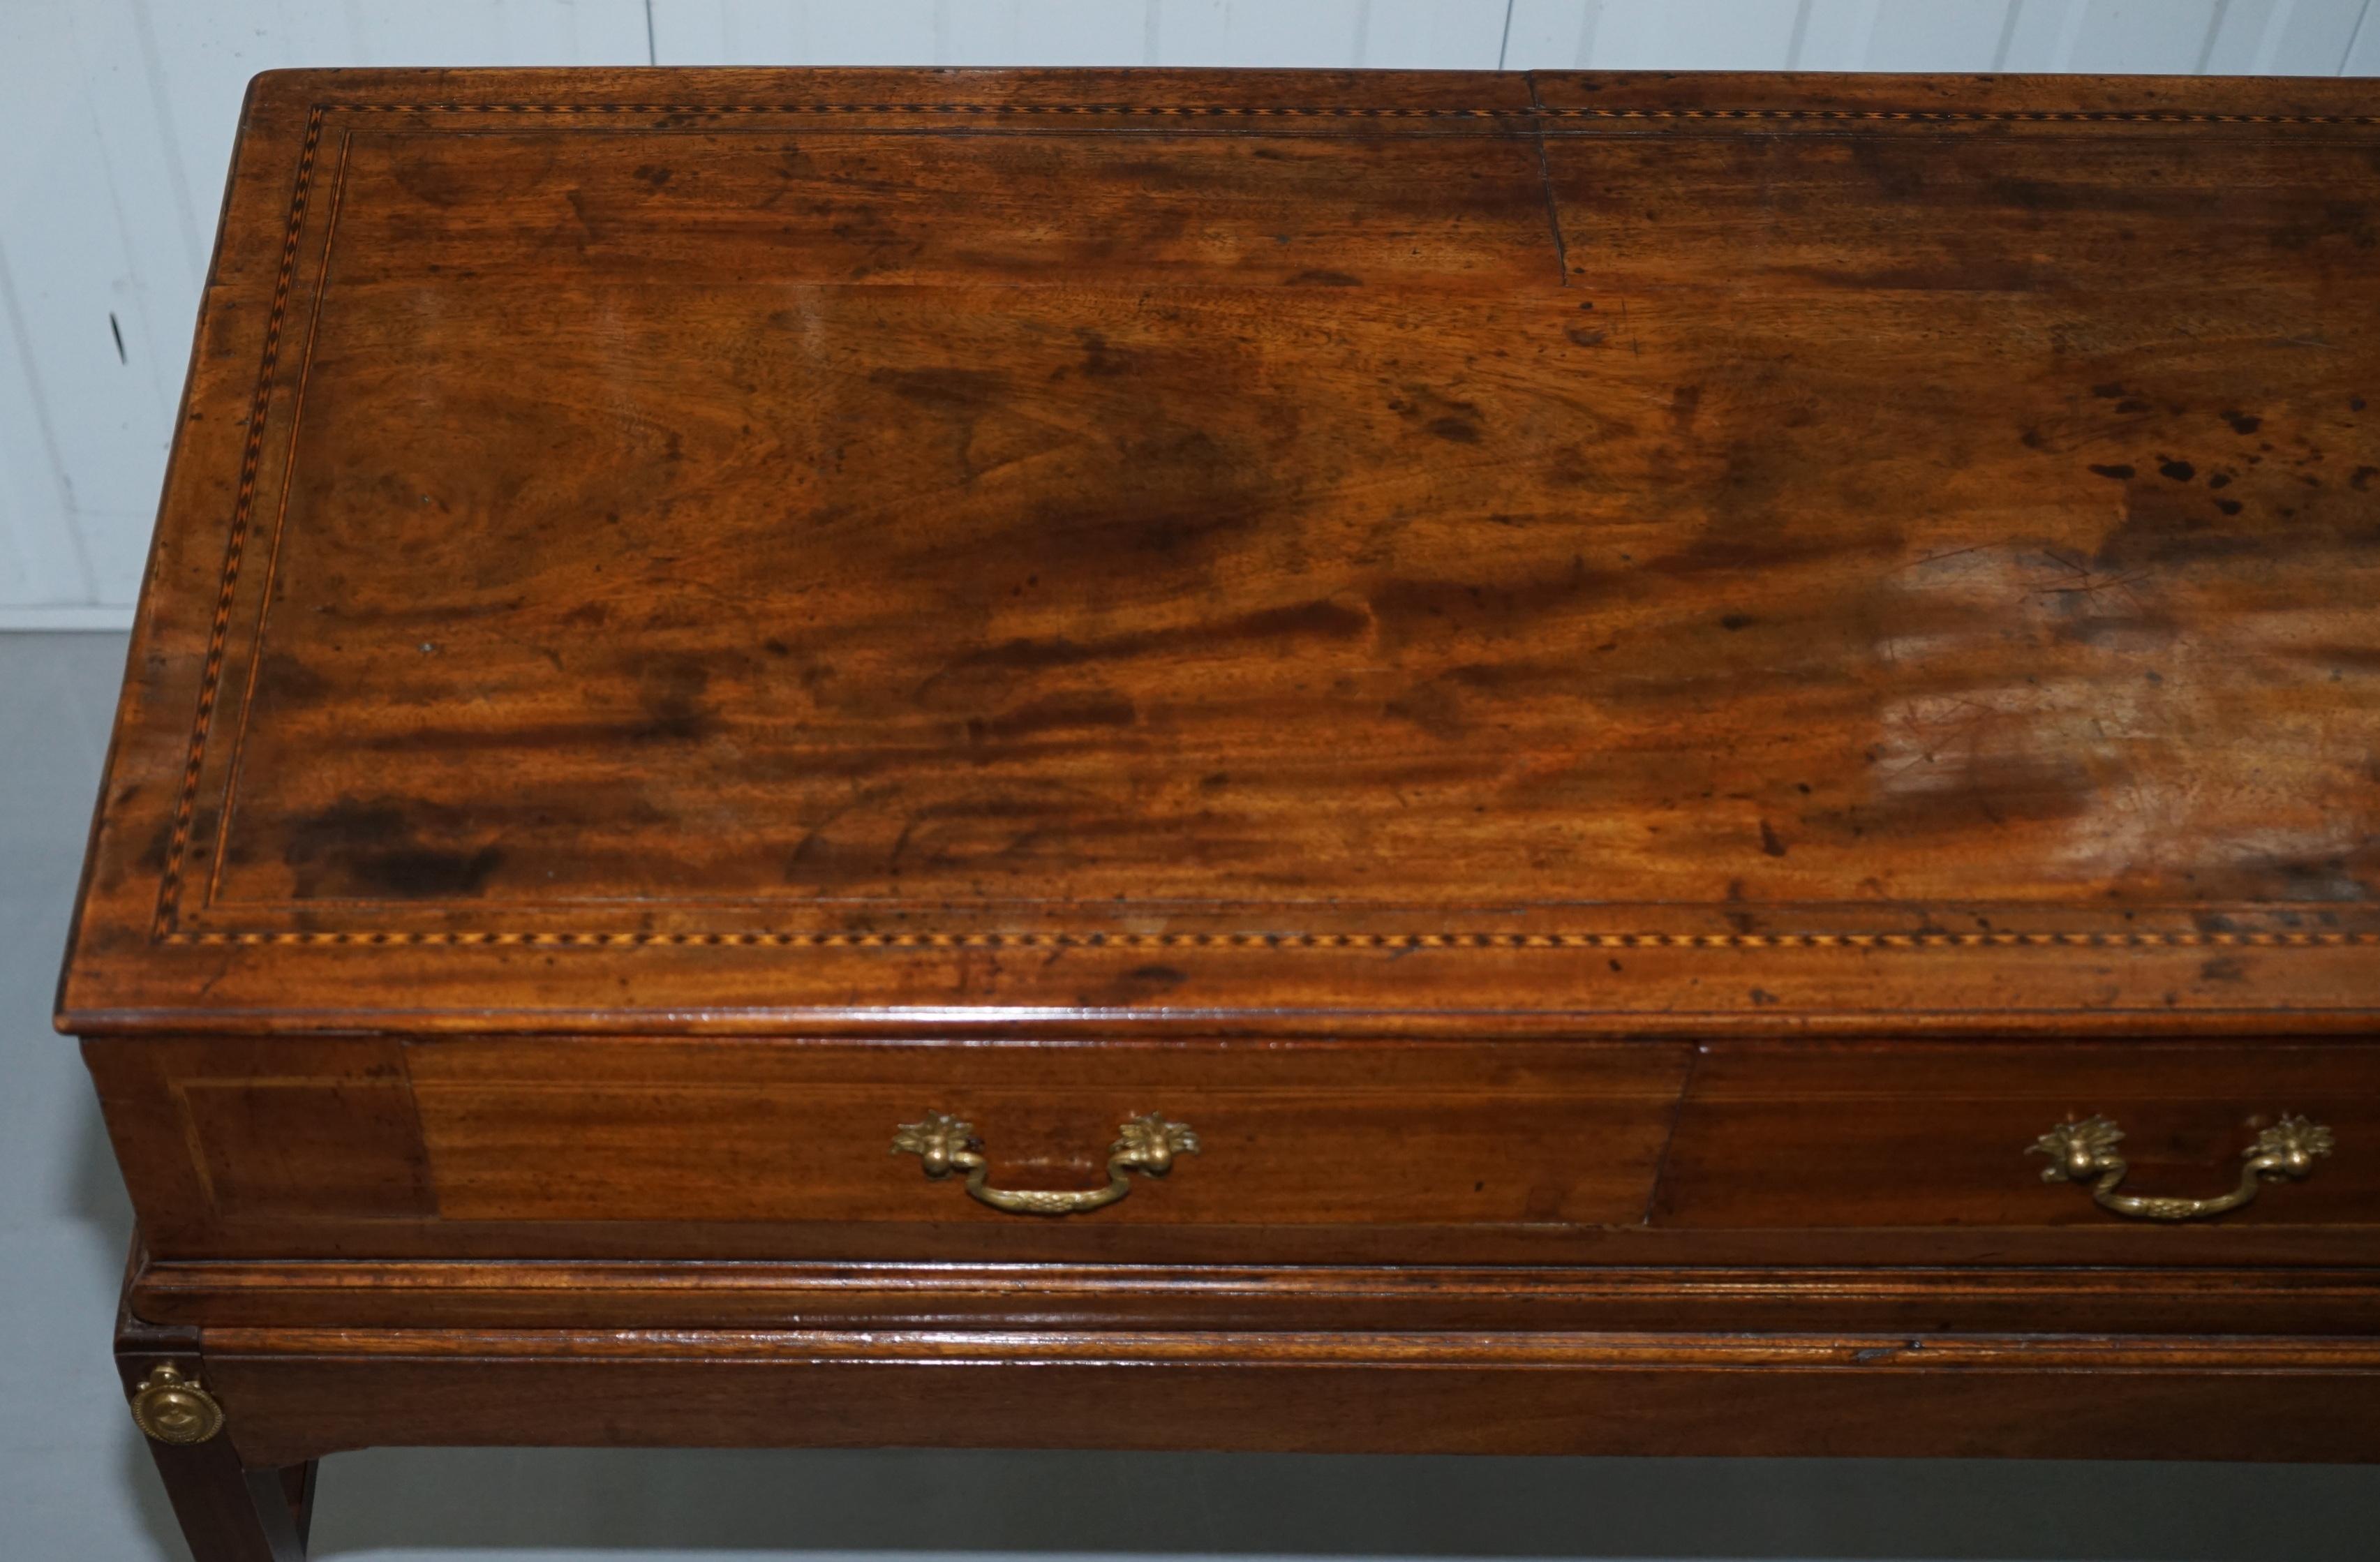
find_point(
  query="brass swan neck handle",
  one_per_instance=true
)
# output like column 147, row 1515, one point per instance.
column 1147, row 1143
column 2086, row 1152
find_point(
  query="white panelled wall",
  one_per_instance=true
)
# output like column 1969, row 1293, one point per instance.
column 117, row 116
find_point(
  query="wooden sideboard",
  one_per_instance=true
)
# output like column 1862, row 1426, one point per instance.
column 1528, row 763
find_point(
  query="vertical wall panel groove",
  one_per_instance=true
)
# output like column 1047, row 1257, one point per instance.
column 119, row 116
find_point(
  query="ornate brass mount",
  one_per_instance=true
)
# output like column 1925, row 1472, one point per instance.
column 1147, row 1143
column 2086, row 1151
column 174, row 1408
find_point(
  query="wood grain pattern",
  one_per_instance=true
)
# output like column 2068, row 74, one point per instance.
column 313, row 1392
column 228, row 1511
column 633, row 1130
column 1585, row 549
column 1637, row 1154
column 316, row 1141
column 2269, row 1300
column 307, row 1149
column 1808, row 1135
column 1620, row 687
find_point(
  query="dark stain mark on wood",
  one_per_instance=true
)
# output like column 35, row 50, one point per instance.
column 354, row 846
column 1054, row 714
column 672, row 695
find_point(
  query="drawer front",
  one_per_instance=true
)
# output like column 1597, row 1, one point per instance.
column 1785, row 1154
column 681, row 1148
column 1928, row 1138
column 1318, row 1136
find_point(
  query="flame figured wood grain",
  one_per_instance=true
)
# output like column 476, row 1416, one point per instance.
column 1309, row 552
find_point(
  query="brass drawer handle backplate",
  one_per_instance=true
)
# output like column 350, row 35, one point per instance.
column 2086, row 1152
column 1147, row 1143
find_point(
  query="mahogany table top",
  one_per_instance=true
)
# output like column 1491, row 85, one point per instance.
column 1311, row 553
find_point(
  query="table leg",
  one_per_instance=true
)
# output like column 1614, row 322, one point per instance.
column 232, row 1514
column 228, row 1511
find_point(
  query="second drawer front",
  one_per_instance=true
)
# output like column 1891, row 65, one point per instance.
column 1814, row 1136
column 590, row 1130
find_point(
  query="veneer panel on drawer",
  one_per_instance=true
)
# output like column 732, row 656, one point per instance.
column 1929, row 1138
column 312, row 1138
column 1432, row 1139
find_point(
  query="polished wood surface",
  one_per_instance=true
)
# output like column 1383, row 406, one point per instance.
column 229, row 1510
column 1643, row 1153
column 2252, row 1298
column 1619, row 688
column 1793, row 1396
column 756, row 553
column 1855, row 1135
column 593, row 1130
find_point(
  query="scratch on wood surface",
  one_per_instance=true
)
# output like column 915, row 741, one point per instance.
column 1545, row 178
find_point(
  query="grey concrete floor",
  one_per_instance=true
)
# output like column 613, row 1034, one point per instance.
column 75, row 1483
